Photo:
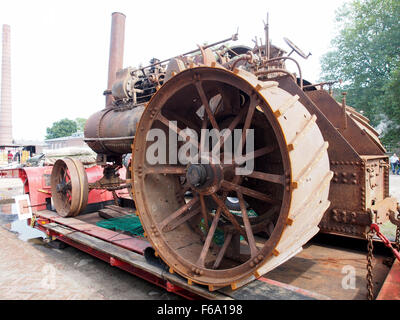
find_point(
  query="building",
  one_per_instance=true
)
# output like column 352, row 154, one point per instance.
column 75, row 140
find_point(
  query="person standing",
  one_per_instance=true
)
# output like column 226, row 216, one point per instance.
column 9, row 156
column 398, row 167
column 393, row 162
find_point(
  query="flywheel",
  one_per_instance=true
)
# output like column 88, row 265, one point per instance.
column 69, row 187
column 282, row 194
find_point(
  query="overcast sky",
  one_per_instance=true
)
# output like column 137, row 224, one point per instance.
column 60, row 48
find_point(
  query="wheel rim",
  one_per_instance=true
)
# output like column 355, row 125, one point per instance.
column 69, row 187
column 171, row 223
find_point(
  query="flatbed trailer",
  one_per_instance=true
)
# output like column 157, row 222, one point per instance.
column 321, row 271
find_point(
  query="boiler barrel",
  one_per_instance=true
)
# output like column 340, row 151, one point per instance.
column 111, row 130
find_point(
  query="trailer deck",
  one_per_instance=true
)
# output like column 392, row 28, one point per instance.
column 318, row 272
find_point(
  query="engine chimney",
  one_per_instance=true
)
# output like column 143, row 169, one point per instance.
column 116, row 58
column 5, row 107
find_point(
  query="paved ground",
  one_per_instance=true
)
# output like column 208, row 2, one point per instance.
column 33, row 270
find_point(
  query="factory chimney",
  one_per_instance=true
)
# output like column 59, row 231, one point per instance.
column 5, row 106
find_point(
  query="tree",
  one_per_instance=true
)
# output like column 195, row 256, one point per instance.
column 366, row 56
column 62, row 128
column 80, row 123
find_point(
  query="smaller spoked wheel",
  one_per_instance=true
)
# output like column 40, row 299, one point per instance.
column 69, row 187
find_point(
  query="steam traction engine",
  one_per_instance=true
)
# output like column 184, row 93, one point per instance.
column 318, row 165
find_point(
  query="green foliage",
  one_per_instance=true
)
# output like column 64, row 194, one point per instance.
column 80, row 123
column 62, row 128
column 366, row 56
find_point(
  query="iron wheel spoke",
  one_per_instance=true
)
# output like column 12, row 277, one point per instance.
column 206, row 105
column 247, row 124
column 173, row 127
column 230, row 129
column 275, row 178
column 247, row 191
column 210, row 235
column 178, row 212
column 204, row 212
column 229, row 215
column 178, row 170
column 222, row 251
column 247, row 226
column 257, row 153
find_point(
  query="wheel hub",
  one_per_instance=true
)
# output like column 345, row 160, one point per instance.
column 62, row 187
column 205, row 178
column 196, row 175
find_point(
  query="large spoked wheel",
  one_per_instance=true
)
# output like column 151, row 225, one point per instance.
column 282, row 197
column 69, row 187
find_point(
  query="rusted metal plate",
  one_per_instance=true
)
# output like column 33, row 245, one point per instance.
column 267, row 289
column 353, row 134
column 360, row 166
column 69, row 187
column 391, row 288
column 329, row 270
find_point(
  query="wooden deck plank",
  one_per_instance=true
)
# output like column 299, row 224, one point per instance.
column 122, row 240
column 121, row 209
column 110, row 214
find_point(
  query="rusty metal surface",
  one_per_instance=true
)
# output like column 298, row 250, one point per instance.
column 354, row 136
column 116, row 57
column 319, row 164
column 159, row 193
column 359, row 192
column 111, row 130
column 69, row 187
column 391, row 288
column 323, row 269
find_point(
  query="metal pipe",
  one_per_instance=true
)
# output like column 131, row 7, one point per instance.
column 264, row 72
column 288, row 58
column 267, row 45
column 232, row 38
column 116, row 57
column 246, row 57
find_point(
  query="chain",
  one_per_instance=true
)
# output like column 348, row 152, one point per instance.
column 398, row 238
column 370, row 284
